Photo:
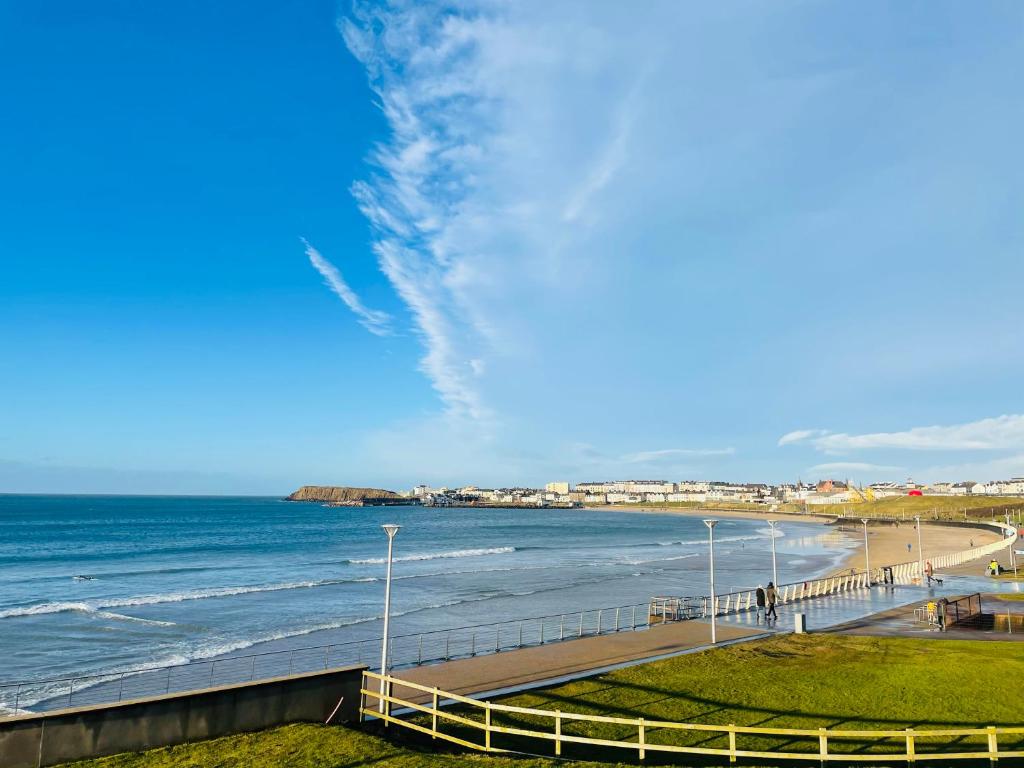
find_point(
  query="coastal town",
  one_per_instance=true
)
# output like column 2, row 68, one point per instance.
column 823, row 492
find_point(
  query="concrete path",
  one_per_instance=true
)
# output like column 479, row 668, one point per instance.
column 544, row 663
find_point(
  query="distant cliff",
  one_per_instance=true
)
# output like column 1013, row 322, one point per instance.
column 340, row 494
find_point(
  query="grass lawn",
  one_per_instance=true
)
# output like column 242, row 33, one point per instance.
column 946, row 507
column 807, row 681
column 799, row 681
column 302, row 746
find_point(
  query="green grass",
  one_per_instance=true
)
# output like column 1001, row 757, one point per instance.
column 929, row 507
column 808, row 681
column 302, row 746
column 804, row 681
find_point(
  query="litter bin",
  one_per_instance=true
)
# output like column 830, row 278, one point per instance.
column 800, row 623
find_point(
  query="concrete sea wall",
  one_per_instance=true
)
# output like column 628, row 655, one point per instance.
column 33, row 741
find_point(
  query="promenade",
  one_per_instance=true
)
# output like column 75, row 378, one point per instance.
column 549, row 664
column 510, row 670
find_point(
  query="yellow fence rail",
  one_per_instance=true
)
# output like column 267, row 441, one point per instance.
column 379, row 689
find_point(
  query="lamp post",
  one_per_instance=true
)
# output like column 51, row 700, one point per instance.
column 867, row 555
column 1013, row 557
column 775, row 570
column 711, row 543
column 390, row 529
column 920, row 553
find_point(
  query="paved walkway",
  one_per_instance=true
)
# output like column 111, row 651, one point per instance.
column 549, row 663
column 901, row 622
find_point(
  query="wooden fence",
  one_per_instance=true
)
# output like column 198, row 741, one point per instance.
column 429, row 701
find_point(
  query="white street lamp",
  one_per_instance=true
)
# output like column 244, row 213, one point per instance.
column 775, row 570
column 920, row 553
column 390, row 529
column 1013, row 557
column 711, row 542
column 867, row 555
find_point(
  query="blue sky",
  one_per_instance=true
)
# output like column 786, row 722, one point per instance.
column 249, row 246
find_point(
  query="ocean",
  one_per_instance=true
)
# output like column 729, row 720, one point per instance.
column 95, row 584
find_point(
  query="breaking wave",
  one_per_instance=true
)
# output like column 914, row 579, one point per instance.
column 436, row 556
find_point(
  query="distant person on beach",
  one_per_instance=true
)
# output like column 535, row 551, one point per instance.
column 759, row 598
column 972, row 543
column 908, row 546
column 771, row 595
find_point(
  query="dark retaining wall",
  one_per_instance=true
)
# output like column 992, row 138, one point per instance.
column 31, row 741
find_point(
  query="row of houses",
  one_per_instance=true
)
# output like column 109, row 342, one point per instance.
column 703, row 491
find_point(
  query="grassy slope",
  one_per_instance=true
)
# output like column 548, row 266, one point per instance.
column 947, row 507
column 301, row 746
column 805, row 681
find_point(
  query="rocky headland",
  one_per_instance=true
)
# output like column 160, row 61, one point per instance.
column 340, row 494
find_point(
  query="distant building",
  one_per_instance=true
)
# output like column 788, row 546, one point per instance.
column 829, row 486
column 562, row 488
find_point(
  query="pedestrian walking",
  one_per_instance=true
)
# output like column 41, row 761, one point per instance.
column 771, row 595
column 759, row 598
column 929, row 571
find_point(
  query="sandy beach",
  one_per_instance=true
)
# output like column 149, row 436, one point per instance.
column 887, row 542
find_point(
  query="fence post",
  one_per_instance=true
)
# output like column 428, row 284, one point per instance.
column 599, row 622
column 120, row 690
column 581, row 624
column 561, row 627
column 542, row 631
column 558, row 732
column 433, row 717
column 520, row 635
column 640, row 737
column 732, row 743
column 447, row 644
column 617, row 619
column 632, row 623
column 993, row 745
column 487, row 724
column 910, row 745
column 213, row 666
column 823, row 745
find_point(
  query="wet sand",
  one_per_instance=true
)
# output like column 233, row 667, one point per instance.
column 887, row 542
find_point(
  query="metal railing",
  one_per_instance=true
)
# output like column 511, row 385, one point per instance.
column 761, row 743
column 432, row 646
column 405, row 651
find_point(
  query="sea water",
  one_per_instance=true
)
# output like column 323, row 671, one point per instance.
column 96, row 584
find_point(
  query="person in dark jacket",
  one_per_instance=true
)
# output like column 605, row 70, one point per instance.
column 760, row 599
column 771, row 596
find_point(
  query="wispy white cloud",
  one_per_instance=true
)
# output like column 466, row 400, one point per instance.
column 800, row 435
column 671, row 454
column 999, row 433
column 852, row 466
column 373, row 320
